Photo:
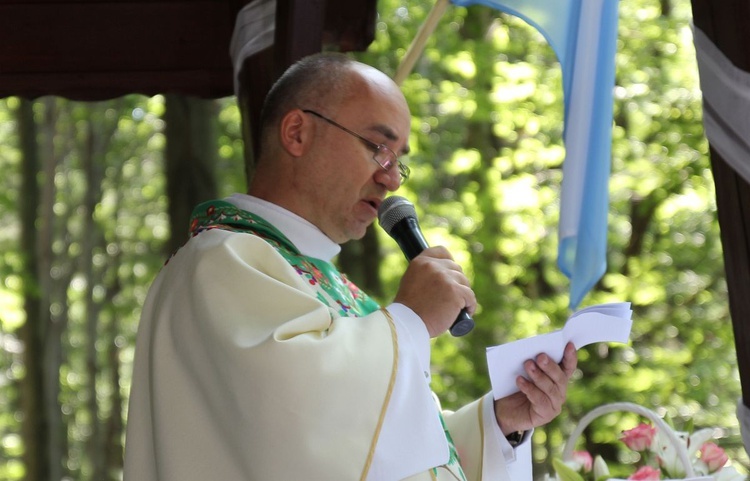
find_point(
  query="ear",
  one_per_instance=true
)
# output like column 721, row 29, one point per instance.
column 295, row 132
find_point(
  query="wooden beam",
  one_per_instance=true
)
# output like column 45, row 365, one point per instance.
column 90, row 50
column 299, row 31
column 733, row 204
column 726, row 23
column 97, row 49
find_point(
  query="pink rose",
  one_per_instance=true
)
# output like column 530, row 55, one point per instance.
column 646, row 473
column 584, row 459
column 639, row 438
column 714, row 457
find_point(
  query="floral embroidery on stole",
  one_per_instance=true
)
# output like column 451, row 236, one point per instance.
column 332, row 288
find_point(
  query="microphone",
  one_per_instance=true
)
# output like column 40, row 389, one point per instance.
column 398, row 218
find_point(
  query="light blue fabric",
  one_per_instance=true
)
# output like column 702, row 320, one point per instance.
column 583, row 35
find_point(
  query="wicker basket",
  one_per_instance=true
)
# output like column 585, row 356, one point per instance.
column 663, row 427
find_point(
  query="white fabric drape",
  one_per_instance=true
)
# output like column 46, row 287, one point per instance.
column 726, row 104
column 254, row 30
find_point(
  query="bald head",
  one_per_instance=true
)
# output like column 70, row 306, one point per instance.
column 319, row 82
column 322, row 124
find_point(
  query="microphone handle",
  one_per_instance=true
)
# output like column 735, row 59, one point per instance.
column 412, row 243
column 463, row 324
column 409, row 237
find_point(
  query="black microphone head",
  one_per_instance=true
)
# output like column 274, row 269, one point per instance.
column 393, row 210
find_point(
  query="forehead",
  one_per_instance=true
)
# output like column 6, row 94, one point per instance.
column 376, row 104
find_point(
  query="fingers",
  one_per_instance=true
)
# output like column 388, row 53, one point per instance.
column 541, row 396
column 550, row 376
column 570, row 360
column 441, row 258
column 435, row 287
column 438, row 252
column 546, row 387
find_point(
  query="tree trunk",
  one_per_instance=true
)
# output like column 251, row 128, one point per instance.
column 93, row 170
column 113, row 427
column 35, row 424
column 53, row 292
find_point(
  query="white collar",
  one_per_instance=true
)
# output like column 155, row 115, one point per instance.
column 310, row 240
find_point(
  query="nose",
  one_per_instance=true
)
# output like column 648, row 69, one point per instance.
column 390, row 179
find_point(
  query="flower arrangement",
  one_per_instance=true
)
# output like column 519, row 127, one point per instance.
column 664, row 454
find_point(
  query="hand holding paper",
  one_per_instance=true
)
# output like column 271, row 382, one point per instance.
column 601, row 323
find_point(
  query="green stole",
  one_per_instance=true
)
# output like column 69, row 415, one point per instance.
column 332, row 288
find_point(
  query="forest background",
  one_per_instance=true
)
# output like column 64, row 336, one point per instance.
column 88, row 219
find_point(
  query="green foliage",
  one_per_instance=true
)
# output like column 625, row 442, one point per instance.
column 101, row 261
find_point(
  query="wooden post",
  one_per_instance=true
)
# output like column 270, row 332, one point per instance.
column 725, row 23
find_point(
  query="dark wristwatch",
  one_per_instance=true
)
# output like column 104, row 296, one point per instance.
column 515, row 438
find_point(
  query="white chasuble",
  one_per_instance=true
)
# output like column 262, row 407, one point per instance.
column 243, row 372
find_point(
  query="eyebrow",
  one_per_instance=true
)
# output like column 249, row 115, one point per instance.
column 389, row 134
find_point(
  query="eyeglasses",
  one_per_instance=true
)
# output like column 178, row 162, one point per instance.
column 382, row 155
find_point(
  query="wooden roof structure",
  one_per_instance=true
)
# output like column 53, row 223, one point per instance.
column 98, row 49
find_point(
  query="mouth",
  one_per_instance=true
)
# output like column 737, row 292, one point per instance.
column 373, row 202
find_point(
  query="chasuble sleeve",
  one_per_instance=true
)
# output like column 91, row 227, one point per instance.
column 241, row 373
column 485, row 453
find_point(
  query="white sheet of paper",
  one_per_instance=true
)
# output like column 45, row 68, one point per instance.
column 600, row 323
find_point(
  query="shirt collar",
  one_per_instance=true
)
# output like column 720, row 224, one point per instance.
column 310, row 240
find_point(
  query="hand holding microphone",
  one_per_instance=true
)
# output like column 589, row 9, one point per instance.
column 435, row 269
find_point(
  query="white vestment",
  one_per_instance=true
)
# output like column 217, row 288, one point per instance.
column 242, row 373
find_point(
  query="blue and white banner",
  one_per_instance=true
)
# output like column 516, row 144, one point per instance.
column 583, row 35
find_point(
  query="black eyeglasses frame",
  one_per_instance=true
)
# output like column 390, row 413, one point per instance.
column 379, row 150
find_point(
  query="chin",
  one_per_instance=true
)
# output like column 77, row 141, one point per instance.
column 354, row 230
column 355, row 234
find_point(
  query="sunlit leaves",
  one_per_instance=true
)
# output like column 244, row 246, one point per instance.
column 461, row 64
column 463, row 161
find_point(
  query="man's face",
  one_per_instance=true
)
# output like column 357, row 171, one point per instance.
column 345, row 185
